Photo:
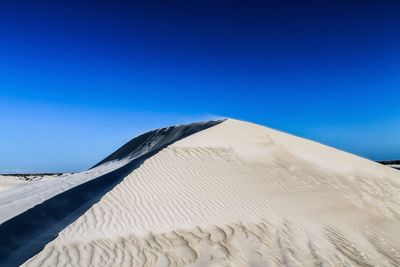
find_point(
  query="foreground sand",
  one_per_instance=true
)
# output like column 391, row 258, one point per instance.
column 238, row 194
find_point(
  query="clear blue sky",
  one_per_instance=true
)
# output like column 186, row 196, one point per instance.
column 80, row 78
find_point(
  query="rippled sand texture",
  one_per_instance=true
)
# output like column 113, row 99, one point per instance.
column 239, row 194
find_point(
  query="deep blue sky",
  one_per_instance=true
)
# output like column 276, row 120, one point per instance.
column 78, row 79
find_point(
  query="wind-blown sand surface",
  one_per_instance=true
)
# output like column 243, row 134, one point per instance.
column 239, row 194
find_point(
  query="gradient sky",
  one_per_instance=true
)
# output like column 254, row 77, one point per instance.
column 80, row 78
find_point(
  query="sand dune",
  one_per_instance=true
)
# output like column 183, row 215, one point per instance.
column 239, row 194
column 50, row 207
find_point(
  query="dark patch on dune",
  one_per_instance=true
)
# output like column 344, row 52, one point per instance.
column 145, row 142
column 25, row 235
column 392, row 163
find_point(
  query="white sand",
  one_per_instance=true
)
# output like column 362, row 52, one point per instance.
column 9, row 182
column 17, row 196
column 238, row 194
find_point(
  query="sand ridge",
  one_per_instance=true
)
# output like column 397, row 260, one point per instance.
column 239, row 194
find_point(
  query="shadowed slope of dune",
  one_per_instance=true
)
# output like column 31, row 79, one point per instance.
column 24, row 235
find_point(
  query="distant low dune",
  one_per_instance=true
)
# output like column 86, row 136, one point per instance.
column 229, row 193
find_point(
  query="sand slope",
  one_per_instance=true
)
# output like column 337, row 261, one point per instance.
column 238, row 194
